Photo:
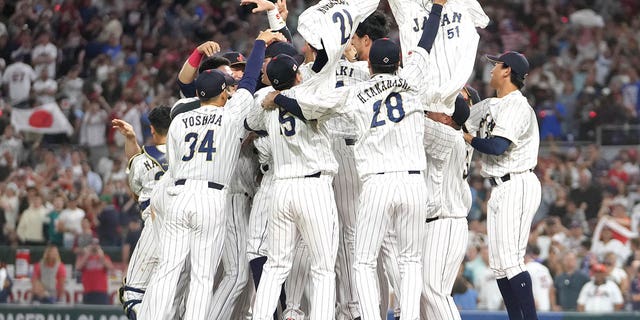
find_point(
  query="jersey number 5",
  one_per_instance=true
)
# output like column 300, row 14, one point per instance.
column 206, row 145
column 393, row 103
column 287, row 124
column 346, row 33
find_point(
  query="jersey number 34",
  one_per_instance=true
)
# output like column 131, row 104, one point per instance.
column 206, row 145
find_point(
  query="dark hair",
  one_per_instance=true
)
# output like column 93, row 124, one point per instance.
column 213, row 63
column 390, row 69
column 375, row 26
column 159, row 118
column 516, row 79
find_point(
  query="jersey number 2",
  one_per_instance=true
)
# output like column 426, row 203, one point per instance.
column 206, row 145
column 346, row 33
column 393, row 102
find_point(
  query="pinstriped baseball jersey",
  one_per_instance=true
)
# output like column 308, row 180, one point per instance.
column 454, row 50
column 450, row 195
column 200, row 135
column 244, row 178
column 510, row 117
column 300, row 148
column 377, row 107
column 347, row 74
column 330, row 24
column 143, row 174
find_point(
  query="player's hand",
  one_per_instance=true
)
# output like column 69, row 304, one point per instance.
column 209, row 48
column 269, row 101
column 350, row 53
column 282, row 9
column 269, row 37
column 263, row 5
column 124, row 128
column 440, row 2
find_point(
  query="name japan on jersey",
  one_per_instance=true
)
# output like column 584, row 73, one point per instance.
column 382, row 86
column 201, row 120
column 444, row 20
column 330, row 5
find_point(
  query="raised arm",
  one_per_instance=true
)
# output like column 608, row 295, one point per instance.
column 251, row 75
column 189, row 70
column 277, row 15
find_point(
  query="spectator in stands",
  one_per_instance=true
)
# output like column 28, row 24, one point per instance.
column 94, row 182
column 10, row 202
column 17, row 78
column 51, row 274
column 29, row 229
column 634, row 290
column 5, row 283
column 94, row 265
column 93, row 130
column 55, row 235
column 70, row 221
column 484, row 280
column 587, row 193
column 44, row 88
column 541, row 280
column 44, row 54
column 85, row 237
column 464, row 295
column 108, row 223
column 615, row 273
column 600, row 294
column 568, row 284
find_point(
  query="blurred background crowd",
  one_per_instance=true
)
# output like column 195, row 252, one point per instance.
column 97, row 60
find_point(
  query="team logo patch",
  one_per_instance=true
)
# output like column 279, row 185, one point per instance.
column 385, row 60
column 276, row 81
column 295, row 68
column 202, row 93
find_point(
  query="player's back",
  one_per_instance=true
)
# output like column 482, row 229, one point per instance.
column 145, row 171
column 389, row 117
column 203, row 144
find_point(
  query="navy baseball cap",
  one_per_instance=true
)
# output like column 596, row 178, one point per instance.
column 279, row 47
column 282, row 70
column 384, row 52
column 210, row 84
column 461, row 112
column 518, row 62
column 235, row 58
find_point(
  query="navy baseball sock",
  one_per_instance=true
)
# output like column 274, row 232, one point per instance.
column 510, row 299
column 521, row 288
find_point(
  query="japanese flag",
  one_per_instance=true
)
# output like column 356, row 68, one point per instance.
column 46, row 118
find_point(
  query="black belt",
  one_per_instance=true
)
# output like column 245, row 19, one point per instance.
column 212, row 185
column 144, row 204
column 350, row 142
column 410, row 172
column 431, row 219
column 315, row 175
column 503, row 179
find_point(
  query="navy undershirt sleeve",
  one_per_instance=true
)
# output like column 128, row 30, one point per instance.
column 495, row 145
column 251, row 75
column 321, row 61
column 290, row 105
column 431, row 28
column 188, row 89
column 286, row 33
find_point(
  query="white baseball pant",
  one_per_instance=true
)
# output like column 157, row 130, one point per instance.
column 395, row 199
column 194, row 228
column 445, row 245
column 304, row 206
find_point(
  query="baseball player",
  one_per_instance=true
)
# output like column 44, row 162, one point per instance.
column 347, row 184
column 387, row 112
column 202, row 150
column 144, row 171
column 454, row 50
column 446, row 230
column 507, row 138
column 303, row 199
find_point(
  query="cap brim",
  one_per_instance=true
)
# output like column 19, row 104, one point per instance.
column 238, row 63
column 493, row 59
column 229, row 80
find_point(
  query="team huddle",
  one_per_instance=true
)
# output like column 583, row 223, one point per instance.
column 287, row 186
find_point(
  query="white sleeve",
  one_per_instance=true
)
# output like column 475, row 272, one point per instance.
column 582, row 297
column 438, row 141
column 474, row 9
column 32, row 74
column 255, row 117
column 416, row 68
column 616, row 294
column 315, row 106
column 135, row 184
column 509, row 122
column 367, row 7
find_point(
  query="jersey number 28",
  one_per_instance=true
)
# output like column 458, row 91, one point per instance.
column 393, row 104
column 206, row 145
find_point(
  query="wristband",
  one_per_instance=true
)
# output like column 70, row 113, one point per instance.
column 275, row 20
column 195, row 58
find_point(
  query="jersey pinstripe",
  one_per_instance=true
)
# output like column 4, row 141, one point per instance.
column 449, row 192
column 454, row 50
column 198, row 137
column 307, row 143
column 510, row 117
column 376, row 107
column 143, row 174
